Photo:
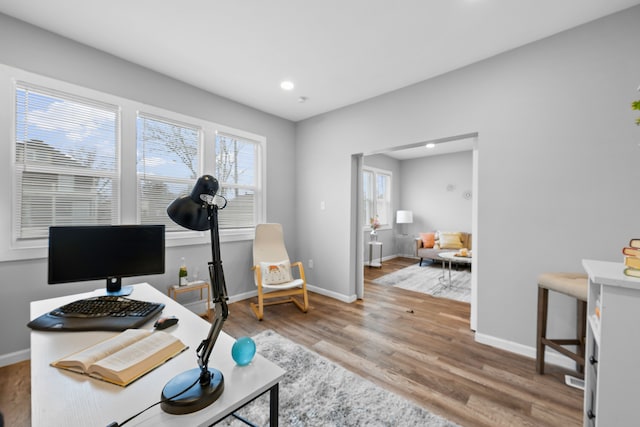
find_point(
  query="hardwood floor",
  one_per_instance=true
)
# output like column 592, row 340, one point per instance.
column 15, row 394
column 409, row 343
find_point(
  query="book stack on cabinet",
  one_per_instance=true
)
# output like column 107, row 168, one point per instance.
column 632, row 258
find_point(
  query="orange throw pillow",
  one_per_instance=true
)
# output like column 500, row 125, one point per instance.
column 428, row 239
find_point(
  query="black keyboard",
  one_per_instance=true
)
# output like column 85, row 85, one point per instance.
column 103, row 313
column 113, row 306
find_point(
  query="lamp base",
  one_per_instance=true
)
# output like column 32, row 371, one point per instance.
column 195, row 398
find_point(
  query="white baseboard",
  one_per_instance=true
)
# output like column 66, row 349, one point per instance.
column 243, row 296
column 551, row 356
column 199, row 306
column 331, row 294
column 15, row 357
column 315, row 289
column 388, row 257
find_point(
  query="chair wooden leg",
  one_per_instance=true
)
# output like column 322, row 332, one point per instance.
column 258, row 309
column 543, row 300
column 305, row 298
column 304, row 305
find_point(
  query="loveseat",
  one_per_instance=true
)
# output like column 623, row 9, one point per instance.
column 430, row 245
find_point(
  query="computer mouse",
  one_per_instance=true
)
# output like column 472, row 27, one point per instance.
column 165, row 322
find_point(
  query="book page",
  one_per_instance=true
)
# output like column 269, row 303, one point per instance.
column 137, row 352
column 128, row 375
column 85, row 358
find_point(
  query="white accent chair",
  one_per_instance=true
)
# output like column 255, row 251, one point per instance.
column 273, row 271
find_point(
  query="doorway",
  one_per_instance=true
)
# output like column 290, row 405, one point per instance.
column 441, row 146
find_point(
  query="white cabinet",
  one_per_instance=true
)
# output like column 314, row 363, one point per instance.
column 612, row 371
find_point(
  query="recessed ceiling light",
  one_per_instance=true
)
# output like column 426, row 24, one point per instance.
column 430, row 145
column 286, row 85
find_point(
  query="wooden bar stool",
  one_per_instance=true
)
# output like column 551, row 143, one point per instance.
column 574, row 285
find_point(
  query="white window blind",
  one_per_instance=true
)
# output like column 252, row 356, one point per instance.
column 237, row 171
column 376, row 186
column 383, row 198
column 66, row 161
column 83, row 157
column 168, row 164
column 367, row 196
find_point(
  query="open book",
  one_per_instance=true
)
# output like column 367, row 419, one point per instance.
column 124, row 358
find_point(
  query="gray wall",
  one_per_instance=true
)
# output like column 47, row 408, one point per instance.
column 557, row 166
column 433, row 188
column 32, row 49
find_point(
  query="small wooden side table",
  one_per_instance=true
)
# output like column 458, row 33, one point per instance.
column 175, row 290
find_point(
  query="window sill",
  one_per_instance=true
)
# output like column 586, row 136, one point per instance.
column 188, row 238
column 383, row 228
column 39, row 249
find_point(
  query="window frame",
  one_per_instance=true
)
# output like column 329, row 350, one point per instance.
column 375, row 173
column 257, row 188
column 19, row 168
column 129, row 212
column 163, row 116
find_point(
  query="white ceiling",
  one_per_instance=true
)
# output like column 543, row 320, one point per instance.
column 337, row 52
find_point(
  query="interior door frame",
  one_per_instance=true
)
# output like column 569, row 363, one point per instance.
column 357, row 222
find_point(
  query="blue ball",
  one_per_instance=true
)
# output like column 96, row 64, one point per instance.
column 243, row 351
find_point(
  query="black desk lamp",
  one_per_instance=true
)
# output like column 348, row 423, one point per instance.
column 200, row 387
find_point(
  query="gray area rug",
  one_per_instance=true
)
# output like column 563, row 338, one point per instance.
column 317, row 392
column 426, row 279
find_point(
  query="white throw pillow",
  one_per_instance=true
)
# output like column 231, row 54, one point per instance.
column 274, row 273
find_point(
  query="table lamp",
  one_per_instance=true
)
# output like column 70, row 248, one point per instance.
column 197, row 388
column 404, row 217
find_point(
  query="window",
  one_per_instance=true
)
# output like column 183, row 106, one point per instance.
column 83, row 157
column 237, row 171
column 168, row 164
column 66, row 161
column 376, row 185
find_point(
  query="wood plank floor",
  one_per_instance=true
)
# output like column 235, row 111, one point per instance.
column 412, row 344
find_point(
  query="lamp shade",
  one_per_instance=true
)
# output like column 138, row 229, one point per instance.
column 191, row 211
column 404, row 217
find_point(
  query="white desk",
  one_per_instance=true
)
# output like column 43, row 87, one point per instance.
column 62, row 398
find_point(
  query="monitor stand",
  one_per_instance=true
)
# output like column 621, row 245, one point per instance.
column 115, row 288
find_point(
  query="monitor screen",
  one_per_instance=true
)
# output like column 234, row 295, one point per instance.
column 81, row 253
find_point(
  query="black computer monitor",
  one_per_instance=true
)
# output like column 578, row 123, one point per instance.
column 81, row 253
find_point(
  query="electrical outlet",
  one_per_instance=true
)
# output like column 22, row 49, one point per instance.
column 311, row 264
